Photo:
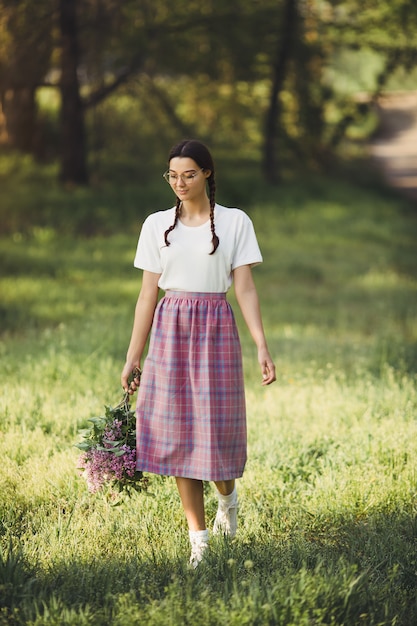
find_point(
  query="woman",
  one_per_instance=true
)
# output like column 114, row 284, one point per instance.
column 191, row 420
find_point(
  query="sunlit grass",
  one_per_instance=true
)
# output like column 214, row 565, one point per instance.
column 328, row 500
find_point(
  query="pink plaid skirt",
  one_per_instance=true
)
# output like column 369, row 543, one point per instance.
column 191, row 416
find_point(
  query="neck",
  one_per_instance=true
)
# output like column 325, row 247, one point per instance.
column 195, row 208
column 194, row 213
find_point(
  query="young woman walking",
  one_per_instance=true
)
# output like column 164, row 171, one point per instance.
column 191, row 420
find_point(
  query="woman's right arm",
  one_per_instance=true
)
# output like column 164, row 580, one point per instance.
column 144, row 312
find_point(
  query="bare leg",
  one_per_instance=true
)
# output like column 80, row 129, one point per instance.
column 225, row 487
column 192, row 498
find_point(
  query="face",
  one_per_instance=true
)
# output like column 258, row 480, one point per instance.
column 187, row 178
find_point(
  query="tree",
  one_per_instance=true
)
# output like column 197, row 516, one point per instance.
column 25, row 53
column 73, row 159
column 311, row 34
column 280, row 67
column 209, row 55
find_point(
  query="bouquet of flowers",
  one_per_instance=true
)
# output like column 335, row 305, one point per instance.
column 108, row 447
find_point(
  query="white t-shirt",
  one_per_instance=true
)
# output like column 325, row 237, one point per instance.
column 186, row 264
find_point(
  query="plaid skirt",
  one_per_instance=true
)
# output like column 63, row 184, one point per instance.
column 191, row 415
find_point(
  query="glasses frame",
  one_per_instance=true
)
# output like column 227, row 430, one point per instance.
column 187, row 181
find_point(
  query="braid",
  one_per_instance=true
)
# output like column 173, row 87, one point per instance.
column 212, row 190
column 177, row 214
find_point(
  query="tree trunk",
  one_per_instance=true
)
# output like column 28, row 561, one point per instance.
column 283, row 56
column 19, row 110
column 73, row 144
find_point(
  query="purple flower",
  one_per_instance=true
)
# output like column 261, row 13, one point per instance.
column 101, row 467
column 109, row 453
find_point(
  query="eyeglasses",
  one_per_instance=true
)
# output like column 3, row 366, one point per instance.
column 187, row 177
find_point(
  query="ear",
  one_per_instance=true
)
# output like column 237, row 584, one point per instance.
column 207, row 173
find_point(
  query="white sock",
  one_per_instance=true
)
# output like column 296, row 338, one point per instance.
column 200, row 536
column 230, row 499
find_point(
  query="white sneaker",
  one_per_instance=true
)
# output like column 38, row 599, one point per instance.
column 199, row 545
column 226, row 518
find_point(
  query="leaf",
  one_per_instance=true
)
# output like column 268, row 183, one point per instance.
column 97, row 420
column 83, row 446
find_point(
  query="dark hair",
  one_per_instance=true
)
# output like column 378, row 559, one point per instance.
column 197, row 151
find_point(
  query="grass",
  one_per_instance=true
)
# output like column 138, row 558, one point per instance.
column 328, row 524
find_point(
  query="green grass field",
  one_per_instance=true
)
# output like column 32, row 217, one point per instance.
column 328, row 517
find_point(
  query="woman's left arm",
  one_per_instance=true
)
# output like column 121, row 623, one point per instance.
column 248, row 301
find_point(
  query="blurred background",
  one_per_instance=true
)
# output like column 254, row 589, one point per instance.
column 95, row 92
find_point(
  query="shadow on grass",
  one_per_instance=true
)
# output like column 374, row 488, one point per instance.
column 363, row 571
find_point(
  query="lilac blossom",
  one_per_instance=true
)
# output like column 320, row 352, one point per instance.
column 101, row 467
column 109, row 453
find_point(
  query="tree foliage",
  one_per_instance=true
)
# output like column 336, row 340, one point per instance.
column 248, row 70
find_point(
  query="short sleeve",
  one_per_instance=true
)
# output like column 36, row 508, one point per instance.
column 147, row 252
column 247, row 250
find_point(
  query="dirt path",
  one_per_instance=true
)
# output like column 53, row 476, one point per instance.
column 395, row 147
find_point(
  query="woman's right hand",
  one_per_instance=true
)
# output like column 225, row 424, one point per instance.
column 127, row 372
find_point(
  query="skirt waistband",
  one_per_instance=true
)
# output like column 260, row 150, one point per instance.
column 195, row 295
